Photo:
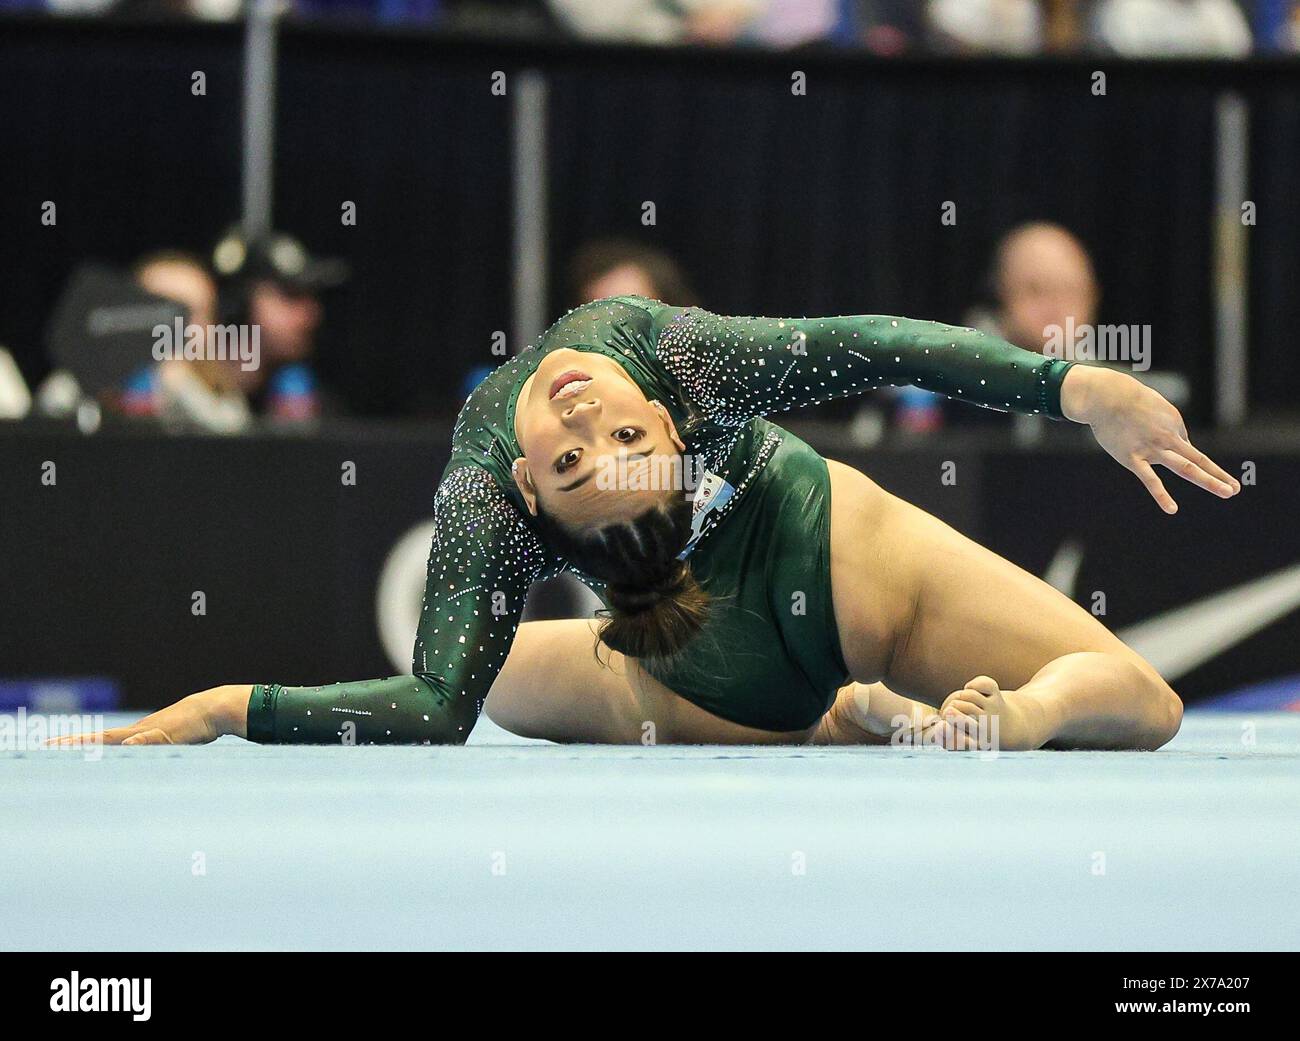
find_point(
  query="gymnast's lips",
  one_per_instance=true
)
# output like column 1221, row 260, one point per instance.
column 566, row 380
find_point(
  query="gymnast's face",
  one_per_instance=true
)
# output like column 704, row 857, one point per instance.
column 595, row 450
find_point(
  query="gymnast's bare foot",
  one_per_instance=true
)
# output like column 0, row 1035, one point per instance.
column 982, row 716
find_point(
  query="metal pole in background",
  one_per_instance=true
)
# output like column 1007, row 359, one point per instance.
column 528, row 184
column 565, row 597
column 1231, row 260
column 261, row 27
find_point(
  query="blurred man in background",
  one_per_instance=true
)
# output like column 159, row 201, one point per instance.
column 273, row 283
column 266, row 300
column 201, row 392
column 1172, row 28
column 774, row 23
column 1046, row 297
column 623, row 267
column 994, row 26
column 1042, row 278
column 183, row 392
column 1135, row 28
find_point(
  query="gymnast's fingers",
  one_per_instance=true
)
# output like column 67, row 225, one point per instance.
column 154, row 736
column 1153, row 484
column 1207, row 464
column 1188, row 470
column 112, row 736
column 89, row 738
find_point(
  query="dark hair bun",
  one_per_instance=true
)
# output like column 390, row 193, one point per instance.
column 655, row 604
column 658, row 620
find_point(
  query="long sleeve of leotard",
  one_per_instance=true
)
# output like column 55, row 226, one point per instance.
column 737, row 368
column 482, row 561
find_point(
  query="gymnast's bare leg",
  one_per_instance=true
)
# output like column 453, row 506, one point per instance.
column 942, row 620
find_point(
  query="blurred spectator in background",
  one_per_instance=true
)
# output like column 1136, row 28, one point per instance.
column 1046, row 297
column 1134, row 28
column 1042, row 277
column 203, row 10
column 273, row 283
column 1172, row 28
column 649, row 21
column 188, row 393
column 997, row 26
column 792, row 23
column 202, row 392
column 206, row 10
column 884, row 27
column 773, row 23
column 624, row 267
column 1139, row 28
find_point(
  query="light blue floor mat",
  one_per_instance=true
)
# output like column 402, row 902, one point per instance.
column 540, row 846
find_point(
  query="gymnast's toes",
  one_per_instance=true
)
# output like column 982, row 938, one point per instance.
column 981, row 696
column 984, row 685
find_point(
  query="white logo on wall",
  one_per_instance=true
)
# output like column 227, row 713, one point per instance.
column 1184, row 638
column 400, row 593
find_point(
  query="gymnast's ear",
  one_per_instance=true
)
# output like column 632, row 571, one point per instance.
column 524, row 482
column 669, row 425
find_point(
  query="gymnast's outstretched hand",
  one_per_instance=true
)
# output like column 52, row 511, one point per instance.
column 1140, row 430
column 194, row 720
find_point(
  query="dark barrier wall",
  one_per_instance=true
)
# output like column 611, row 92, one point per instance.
column 828, row 202
column 101, row 122
column 1275, row 241
column 99, row 569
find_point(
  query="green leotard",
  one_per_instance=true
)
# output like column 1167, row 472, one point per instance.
column 717, row 376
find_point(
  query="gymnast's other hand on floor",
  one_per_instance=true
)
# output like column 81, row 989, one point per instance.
column 1140, row 430
column 194, row 720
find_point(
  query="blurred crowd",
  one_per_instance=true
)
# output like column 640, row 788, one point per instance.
column 227, row 340
column 224, row 341
column 1156, row 28
column 209, row 343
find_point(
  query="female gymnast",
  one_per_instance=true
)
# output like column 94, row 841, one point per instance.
column 755, row 592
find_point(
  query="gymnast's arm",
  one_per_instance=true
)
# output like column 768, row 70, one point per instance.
column 737, row 368
column 481, row 564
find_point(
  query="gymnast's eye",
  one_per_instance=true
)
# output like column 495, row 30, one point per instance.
column 628, row 435
column 568, row 460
